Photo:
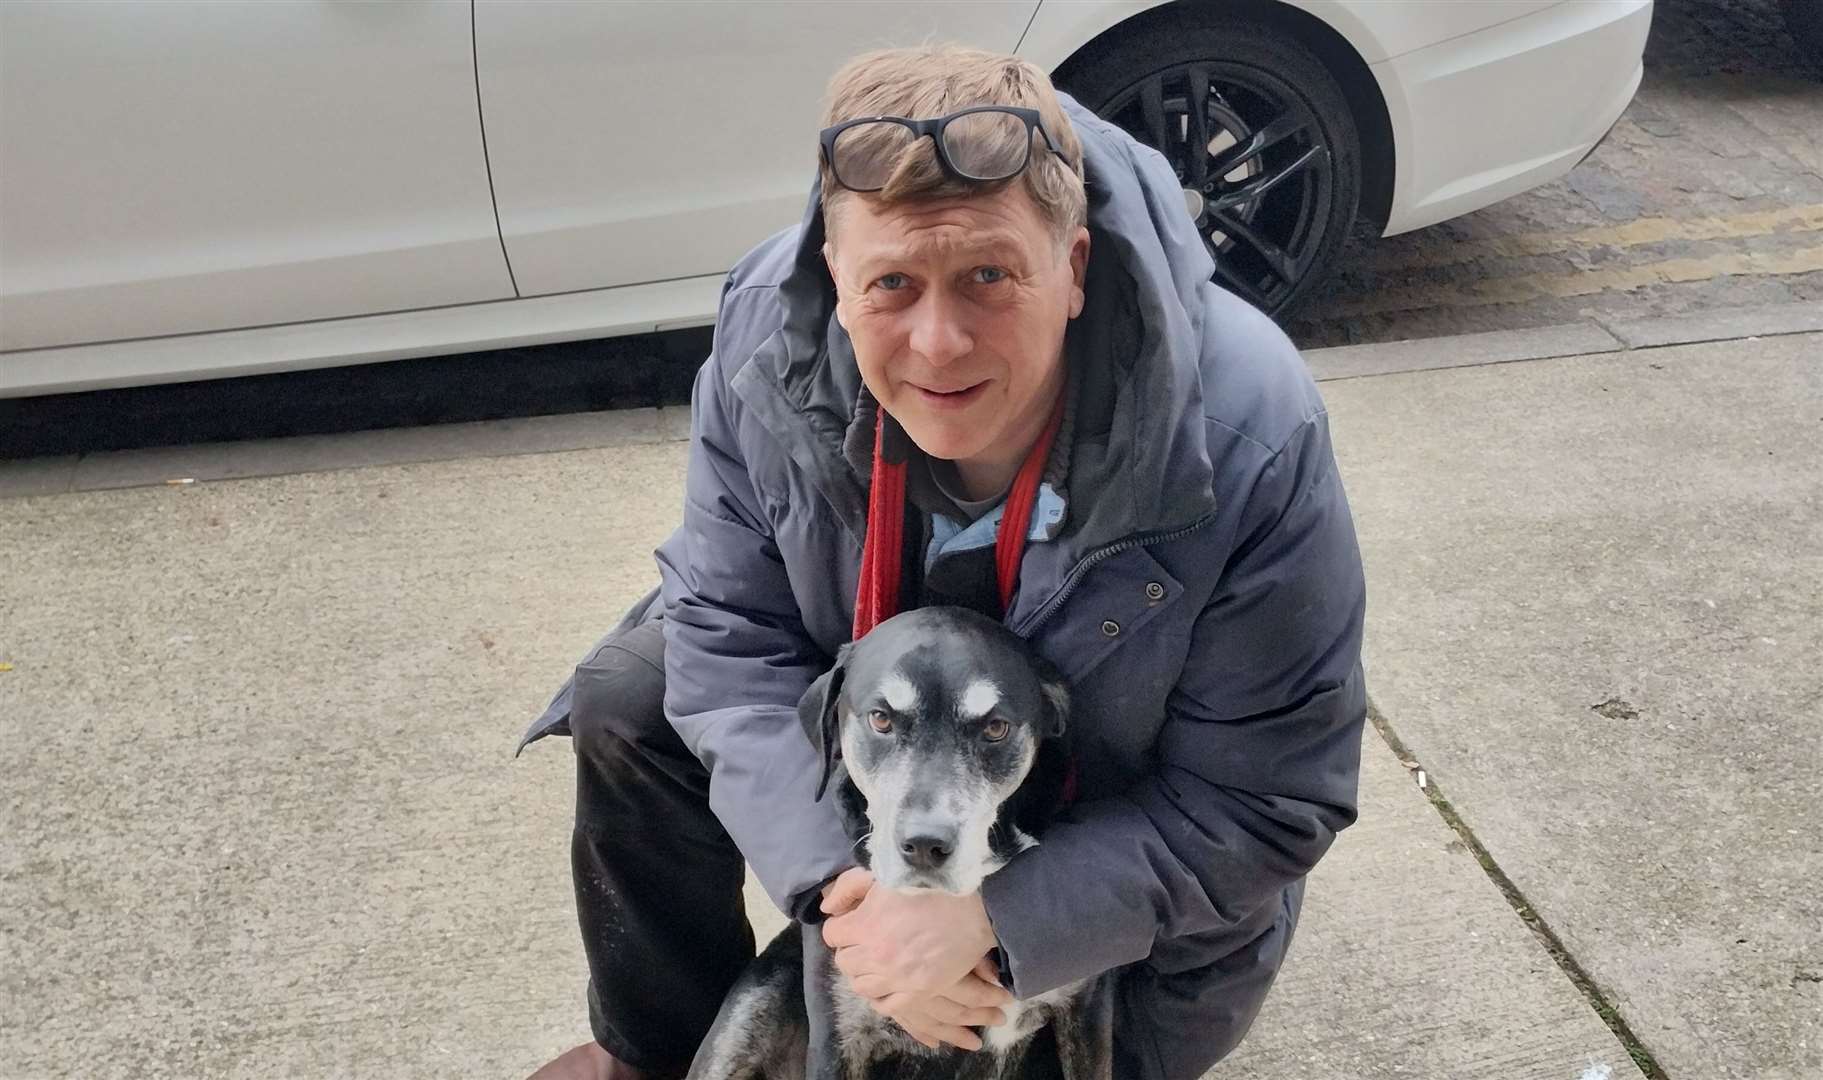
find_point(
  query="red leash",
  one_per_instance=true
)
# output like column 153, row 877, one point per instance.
column 877, row 597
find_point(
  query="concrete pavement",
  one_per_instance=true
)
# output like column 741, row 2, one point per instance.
column 262, row 818
column 1597, row 595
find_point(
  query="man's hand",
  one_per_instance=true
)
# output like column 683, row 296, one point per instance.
column 893, row 943
column 947, row 1017
column 919, row 958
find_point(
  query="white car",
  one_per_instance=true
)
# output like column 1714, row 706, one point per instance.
column 195, row 190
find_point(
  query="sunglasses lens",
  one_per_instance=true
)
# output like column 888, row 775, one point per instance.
column 987, row 145
column 864, row 156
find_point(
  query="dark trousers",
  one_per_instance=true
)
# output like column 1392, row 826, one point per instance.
column 658, row 881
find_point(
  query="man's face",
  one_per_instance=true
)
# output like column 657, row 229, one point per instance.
column 957, row 312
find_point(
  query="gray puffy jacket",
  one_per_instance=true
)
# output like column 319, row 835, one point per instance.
column 1204, row 597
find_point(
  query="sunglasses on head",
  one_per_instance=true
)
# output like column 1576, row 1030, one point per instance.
column 984, row 143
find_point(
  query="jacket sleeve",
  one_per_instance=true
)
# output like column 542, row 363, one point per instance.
column 737, row 659
column 1257, row 760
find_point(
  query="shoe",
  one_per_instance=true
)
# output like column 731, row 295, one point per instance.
column 590, row 1062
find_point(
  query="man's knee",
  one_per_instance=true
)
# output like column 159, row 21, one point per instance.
column 618, row 702
column 629, row 758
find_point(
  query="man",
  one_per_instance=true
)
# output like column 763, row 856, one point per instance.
column 958, row 303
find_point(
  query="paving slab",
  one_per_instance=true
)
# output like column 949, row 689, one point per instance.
column 1596, row 616
column 320, row 453
column 1461, row 350
column 261, row 813
column 1410, row 963
column 263, row 818
column 1727, row 324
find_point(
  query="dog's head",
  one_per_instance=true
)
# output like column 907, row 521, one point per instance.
column 951, row 729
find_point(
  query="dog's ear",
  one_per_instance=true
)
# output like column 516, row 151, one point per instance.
column 1056, row 692
column 819, row 710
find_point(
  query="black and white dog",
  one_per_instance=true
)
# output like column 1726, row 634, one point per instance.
column 943, row 736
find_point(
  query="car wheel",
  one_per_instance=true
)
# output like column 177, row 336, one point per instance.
column 1804, row 22
column 1259, row 134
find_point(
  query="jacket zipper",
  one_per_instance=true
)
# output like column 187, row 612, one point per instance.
column 1077, row 572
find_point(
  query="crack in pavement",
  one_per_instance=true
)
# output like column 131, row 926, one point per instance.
column 1578, row 976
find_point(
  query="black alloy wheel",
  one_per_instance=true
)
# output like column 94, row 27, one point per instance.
column 1259, row 135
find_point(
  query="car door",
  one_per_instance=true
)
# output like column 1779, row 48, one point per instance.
column 173, row 168
column 650, row 141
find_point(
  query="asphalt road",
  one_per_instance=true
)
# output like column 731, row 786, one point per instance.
column 1708, row 195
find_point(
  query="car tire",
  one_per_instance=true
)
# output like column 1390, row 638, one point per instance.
column 1804, row 22
column 1271, row 249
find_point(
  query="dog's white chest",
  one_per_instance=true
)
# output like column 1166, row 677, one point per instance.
column 1027, row 1016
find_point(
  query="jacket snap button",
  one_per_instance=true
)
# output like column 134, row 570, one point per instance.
column 1110, row 627
column 1154, row 591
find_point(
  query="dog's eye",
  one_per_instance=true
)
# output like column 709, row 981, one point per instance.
column 996, row 729
column 880, row 722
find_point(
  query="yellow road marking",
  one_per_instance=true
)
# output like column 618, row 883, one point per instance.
column 1523, row 287
column 1799, row 219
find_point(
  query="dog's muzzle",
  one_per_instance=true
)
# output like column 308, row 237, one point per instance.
column 926, row 846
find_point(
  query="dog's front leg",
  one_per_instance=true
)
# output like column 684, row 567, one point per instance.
column 1085, row 1033
column 825, row 1060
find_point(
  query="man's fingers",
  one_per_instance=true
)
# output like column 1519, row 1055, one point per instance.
column 838, row 932
column 914, row 1015
column 949, row 1033
column 844, row 960
column 988, row 970
column 954, row 1012
column 846, row 891
column 961, row 1037
column 976, row 991
column 971, row 991
column 853, row 963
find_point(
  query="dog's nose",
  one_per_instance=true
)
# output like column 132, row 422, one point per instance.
column 929, row 848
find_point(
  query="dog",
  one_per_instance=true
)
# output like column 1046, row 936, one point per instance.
column 943, row 737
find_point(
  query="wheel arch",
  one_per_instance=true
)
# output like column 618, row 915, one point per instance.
column 1367, row 104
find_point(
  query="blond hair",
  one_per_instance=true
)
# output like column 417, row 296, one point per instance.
column 928, row 81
